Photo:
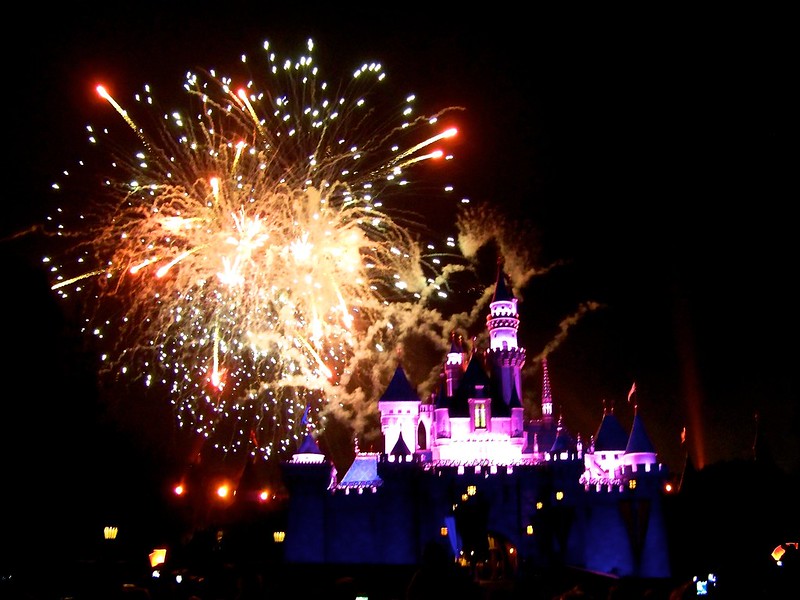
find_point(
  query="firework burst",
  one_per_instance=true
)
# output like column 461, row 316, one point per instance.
column 254, row 247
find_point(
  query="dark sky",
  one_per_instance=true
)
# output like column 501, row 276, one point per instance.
column 651, row 151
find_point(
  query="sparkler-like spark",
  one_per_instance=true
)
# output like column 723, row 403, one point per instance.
column 254, row 248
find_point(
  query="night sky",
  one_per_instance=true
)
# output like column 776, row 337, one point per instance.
column 649, row 152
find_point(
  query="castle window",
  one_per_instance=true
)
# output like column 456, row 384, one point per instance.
column 632, row 484
column 480, row 416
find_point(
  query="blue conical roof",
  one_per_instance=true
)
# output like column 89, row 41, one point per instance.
column 309, row 445
column 399, row 388
column 501, row 291
column 563, row 441
column 639, row 441
column 400, row 448
column 610, row 435
column 474, row 384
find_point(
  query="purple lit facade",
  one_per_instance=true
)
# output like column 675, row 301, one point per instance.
column 467, row 469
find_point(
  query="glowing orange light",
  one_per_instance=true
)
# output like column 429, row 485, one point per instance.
column 157, row 557
column 223, row 490
column 778, row 552
column 263, row 495
column 179, row 490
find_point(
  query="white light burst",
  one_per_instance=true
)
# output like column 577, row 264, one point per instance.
column 254, row 246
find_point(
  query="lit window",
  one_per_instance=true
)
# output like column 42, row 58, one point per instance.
column 529, row 530
column 559, row 495
column 278, row 536
column 632, row 484
column 480, row 416
column 471, row 490
column 443, row 531
column 539, row 506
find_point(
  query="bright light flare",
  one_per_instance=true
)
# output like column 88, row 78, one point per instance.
column 252, row 250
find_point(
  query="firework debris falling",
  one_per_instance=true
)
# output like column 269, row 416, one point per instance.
column 255, row 256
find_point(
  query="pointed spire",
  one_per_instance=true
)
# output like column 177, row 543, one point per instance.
column 501, row 291
column 399, row 388
column 400, row 448
column 456, row 343
column 547, row 395
column 639, row 441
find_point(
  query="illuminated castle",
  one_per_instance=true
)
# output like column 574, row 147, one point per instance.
column 465, row 468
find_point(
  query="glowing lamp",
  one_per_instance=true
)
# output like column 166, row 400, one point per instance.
column 179, row 490
column 263, row 495
column 157, row 557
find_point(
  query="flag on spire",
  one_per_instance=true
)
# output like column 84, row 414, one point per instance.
column 632, row 392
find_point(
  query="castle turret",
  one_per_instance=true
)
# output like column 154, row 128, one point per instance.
column 640, row 450
column 547, row 394
column 504, row 355
column 455, row 365
column 399, row 410
column 604, row 460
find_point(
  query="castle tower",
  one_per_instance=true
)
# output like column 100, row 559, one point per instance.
column 504, row 355
column 547, row 394
column 455, row 365
column 399, row 410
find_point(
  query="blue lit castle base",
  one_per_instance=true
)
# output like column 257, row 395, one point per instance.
column 467, row 470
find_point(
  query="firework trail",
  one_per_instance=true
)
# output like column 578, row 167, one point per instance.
column 254, row 249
